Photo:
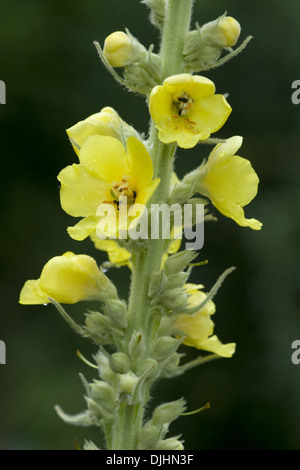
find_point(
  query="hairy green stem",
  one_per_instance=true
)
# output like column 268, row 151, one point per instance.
column 178, row 18
column 128, row 424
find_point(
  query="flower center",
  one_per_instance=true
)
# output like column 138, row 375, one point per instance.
column 122, row 189
column 183, row 104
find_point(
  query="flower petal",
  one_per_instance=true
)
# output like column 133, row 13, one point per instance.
column 145, row 194
column 210, row 115
column 140, row 164
column 231, row 184
column 84, row 228
column 225, row 149
column 103, row 123
column 32, row 294
column 214, row 345
column 196, row 328
column 80, row 192
column 105, row 158
column 70, row 278
column 197, row 86
column 160, row 104
column 116, row 254
column 199, row 327
column 179, row 130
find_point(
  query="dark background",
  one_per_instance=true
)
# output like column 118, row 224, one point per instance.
column 54, row 79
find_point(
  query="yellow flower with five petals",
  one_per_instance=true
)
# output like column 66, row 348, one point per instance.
column 186, row 110
column 198, row 327
column 67, row 279
column 105, row 177
column 230, row 182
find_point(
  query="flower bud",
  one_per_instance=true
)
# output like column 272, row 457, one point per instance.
column 101, row 328
column 179, row 261
column 121, row 362
column 105, row 370
column 136, row 345
column 117, row 310
column 103, row 394
column 170, row 444
column 144, row 74
column 171, row 367
column 67, row 279
column 118, row 49
column 227, row 32
column 174, row 299
column 204, row 45
column 223, row 32
column 149, row 436
column 148, row 366
column 128, row 382
column 97, row 411
column 167, row 412
column 164, row 347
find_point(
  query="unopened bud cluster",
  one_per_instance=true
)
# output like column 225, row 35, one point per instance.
column 143, row 68
column 203, row 46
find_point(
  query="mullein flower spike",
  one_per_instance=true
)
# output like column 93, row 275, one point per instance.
column 120, row 173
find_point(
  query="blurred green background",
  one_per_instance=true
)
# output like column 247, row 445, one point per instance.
column 54, row 79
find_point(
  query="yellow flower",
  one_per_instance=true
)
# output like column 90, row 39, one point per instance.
column 116, row 254
column 106, row 122
column 186, row 110
column 106, row 176
column 119, row 256
column 230, row 182
column 118, row 49
column 67, row 279
column 198, row 328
